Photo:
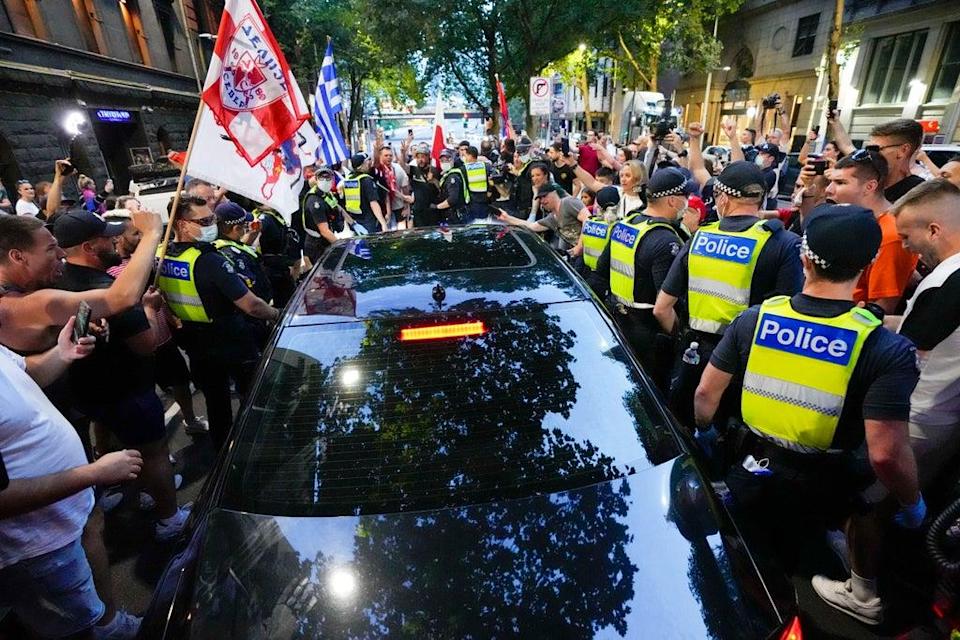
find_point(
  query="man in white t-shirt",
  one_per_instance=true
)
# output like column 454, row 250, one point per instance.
column 44, row 574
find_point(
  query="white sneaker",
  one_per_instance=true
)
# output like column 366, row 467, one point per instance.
column 147, row 503
column 124, row 626
column 839, row 595
column 173, row 526
column 197, row 426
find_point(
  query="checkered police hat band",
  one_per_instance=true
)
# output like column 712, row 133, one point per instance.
column 672, row 191
column 813, row 257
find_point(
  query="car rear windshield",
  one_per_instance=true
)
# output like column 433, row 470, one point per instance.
column 350, row 419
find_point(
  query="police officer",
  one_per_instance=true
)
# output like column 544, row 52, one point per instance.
column 596, row 231
column 361, row 197
column 322, row 216
column 453, row 188
column 727, row 266
column 477, row 184
column 204, row 291
column 279, row 248
column 818, row 377
column 425, row 187
column 635, row 263
column 232, row 224
column 523, row 188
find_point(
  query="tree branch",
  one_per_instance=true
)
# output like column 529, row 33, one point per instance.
column 631, row 59
column 466, row 87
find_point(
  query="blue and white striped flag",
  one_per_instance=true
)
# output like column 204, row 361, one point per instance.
column 326, row 105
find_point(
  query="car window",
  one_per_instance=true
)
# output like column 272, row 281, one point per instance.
column 349, row 419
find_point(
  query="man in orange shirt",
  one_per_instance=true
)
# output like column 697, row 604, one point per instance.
column 858, row 179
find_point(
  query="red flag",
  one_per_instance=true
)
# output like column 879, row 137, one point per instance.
column 506, row 129
column 438, row 140
column 248, row 86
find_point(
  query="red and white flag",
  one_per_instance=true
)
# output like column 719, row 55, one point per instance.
column 248, row 87
column 438, row 138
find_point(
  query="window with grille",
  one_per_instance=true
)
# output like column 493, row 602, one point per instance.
column 893, row 64
column 806, row 35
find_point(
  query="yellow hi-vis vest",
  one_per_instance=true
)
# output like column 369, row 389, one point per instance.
column 595, row 235
column 624, row 241
column 798, row 371
column 179, row 286
column 466, row 191
column 721, row 265
column 351, row 193
column 476, row 176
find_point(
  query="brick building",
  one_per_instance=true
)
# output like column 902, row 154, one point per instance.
column 109, row 83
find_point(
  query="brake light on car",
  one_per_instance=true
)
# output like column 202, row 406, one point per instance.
column 793, row 632
column 442, row 331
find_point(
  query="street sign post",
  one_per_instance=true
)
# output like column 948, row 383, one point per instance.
column 539, row 96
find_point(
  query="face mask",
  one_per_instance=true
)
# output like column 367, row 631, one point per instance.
column 759, row 161
column 524, row 157
column 325, row 185
column 208, row 234
column 446, row 166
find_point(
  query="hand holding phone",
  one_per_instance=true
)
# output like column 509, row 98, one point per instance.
column 81, row 326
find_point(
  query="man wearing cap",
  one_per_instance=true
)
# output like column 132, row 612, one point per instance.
column 361, row 198
column 453, row 187
column 523, row 191
column 634, row 264
column 128, row 406
column 768, row 159
column 233, row 222
column 203, row 289
column 726, row 267
column 322, row 215
column 818, row 377
column 565, row 217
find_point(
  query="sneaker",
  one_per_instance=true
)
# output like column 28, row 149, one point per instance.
column 197, row 426
column 111, row 499
column 839, row 595
column 147, row 503
column 173, row 526
column 124, row 626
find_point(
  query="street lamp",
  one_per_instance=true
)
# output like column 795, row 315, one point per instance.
column 582, row 47
column 706, row 91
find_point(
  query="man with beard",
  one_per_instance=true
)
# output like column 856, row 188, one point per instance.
column 423, row 182
column 128, row 405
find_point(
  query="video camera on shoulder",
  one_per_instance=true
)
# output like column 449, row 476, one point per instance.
column 665, row 122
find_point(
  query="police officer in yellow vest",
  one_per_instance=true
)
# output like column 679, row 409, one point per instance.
column 361, row 197
column 205, row 292
column 478, row 185
column 596, row 231
column 633, row 266
column 818, row 378
column 726, row 267
column 233, row 222
column 453, row 188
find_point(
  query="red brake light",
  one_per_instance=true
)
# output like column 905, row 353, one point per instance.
column 793, row 632
column 440, row 331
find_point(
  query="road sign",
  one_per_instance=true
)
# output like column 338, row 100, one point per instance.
column 559, row 106
column 539, row 96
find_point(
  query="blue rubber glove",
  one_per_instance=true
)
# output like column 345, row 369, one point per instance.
column 707, row 440
column 911, row 516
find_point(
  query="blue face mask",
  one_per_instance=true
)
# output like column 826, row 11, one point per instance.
column 208, row 234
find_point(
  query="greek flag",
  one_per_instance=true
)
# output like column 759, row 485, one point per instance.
column 326, row 105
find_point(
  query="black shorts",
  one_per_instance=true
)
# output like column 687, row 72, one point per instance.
column 135, row 420
column 170, row 368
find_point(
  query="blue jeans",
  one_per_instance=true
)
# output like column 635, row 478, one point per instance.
column 53, row 594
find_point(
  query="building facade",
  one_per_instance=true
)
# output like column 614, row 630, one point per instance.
column 901, row 58
column 111, row 84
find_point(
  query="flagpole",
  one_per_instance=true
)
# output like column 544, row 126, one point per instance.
column 162, row 251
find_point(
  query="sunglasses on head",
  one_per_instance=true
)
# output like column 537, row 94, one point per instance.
column 20, row 183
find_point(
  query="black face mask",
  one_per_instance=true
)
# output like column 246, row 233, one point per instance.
column 109, row 258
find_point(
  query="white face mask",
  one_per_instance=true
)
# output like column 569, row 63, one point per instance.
column 759, row 161
column 208, row 234
column 446, row 166
column 325, row 185
column 524, row 157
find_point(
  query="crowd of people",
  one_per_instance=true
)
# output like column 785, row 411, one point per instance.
column 787, row 339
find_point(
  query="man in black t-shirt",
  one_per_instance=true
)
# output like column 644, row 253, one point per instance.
column 115, row 385
column 818, row 378
column 561, row 168
column 425, row 187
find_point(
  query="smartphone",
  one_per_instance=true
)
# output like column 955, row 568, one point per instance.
column 493, row 211
column 410, row 132
column 816, row 129
column 819, row 166
column 82, row 325
column 832, row 110
column 565, row 146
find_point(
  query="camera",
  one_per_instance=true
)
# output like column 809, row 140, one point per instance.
column 771, row 101
column 664, row 123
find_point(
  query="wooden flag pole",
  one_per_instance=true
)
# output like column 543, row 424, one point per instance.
column 162, row 251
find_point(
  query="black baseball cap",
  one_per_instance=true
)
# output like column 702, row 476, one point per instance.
column 841, row 236
column 551, row 187
column 357, row 159
column 447, row 153
column 78, row 225
column 666, row 182
column 741, row 179
column 769, row 148
column 232, row 213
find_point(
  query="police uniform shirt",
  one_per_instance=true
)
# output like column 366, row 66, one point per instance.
column 319, row 212
column 273, row 237
column 216, row 279
column 657, row 251
column 453, row 189
column 369, row 192
column 249, row 268
column 882, row 380
column 778, row 269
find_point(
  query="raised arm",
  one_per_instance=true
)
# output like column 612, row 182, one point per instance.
column 697, row 166
column 730, row 129
column 840, row 135
column 55, row 195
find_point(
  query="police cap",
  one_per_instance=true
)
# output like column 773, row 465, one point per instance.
column 666, row 182
column 741, row 179
column 841, row 237
column 608, row 196
column 232, row 213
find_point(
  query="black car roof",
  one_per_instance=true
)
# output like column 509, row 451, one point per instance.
column 396, row 274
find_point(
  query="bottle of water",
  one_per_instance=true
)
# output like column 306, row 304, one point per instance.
column 692, row 356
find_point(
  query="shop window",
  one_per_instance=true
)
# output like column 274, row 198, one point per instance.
column 806, row 35
column 893, row 64
column 168, row 25
column 949, row 69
